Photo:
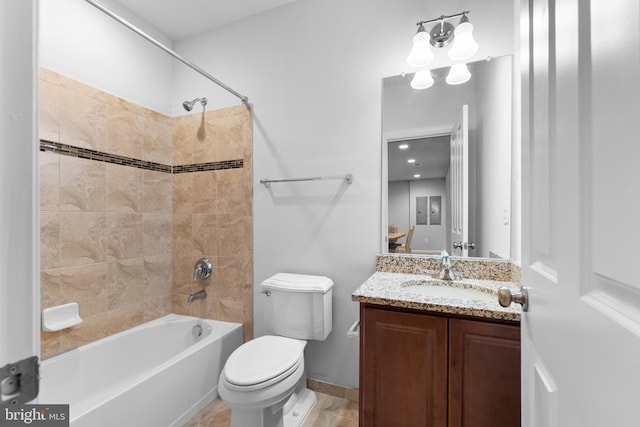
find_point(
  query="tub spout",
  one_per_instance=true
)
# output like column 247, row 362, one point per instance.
column 198, row 295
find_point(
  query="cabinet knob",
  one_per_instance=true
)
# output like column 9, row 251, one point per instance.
column 506, row 296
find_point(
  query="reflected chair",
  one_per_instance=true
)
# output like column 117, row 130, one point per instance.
column 406, row 246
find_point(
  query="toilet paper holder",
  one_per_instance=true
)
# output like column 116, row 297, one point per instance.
column 354, row 330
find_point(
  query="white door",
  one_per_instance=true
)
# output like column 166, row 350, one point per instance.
column 19, row 283
column 459, row 170
column 581, row 189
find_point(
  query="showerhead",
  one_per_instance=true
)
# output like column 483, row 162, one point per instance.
column 188, row 105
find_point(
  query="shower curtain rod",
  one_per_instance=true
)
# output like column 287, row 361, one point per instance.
column 176, row 55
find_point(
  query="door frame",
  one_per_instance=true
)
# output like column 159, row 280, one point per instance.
column 19, row 189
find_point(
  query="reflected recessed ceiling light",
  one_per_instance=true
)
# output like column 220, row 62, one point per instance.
column 416, row 175
column 403, row 146
column 411, row 161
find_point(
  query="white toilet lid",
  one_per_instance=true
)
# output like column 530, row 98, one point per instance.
column 262, row 359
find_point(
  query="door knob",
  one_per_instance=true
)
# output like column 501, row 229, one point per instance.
column 457, row 245
column 506, row 296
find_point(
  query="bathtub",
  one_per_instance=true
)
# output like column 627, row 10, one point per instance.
column 156, row 374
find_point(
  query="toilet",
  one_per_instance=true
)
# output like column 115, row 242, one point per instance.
column 264, row 381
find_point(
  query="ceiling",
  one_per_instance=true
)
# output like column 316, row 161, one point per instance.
column 431, row 157
column 178, row 19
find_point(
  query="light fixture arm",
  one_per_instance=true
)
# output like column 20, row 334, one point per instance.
column 444, row 18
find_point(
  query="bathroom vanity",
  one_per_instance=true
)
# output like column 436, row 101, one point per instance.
column 438, row 353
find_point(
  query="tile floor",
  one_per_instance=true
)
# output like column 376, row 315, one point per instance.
column 328, row 411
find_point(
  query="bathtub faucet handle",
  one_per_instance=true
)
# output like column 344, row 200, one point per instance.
column 202, row 269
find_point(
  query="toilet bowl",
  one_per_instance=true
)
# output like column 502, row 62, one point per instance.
column 264, row 380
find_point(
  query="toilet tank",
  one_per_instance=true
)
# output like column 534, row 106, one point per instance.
column 298, row 305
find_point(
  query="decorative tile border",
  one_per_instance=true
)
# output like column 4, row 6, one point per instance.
column 85, row 153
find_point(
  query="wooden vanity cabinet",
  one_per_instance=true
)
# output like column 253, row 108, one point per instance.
column 419, row 369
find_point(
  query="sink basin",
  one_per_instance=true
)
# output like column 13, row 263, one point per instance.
column 442, row 289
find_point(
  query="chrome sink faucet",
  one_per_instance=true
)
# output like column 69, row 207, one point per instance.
column 447, row 271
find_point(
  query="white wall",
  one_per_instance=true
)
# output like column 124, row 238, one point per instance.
column 83, row 43
column 493, row 135
column 312, row 71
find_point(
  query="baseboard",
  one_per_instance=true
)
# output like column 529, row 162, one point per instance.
column 333, row 390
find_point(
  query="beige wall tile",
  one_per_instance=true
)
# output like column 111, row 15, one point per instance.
column 183, row 268
column 83, row 121
column 49, row 125
column 204, row 234
column 155, row 307
column 92, row 329
column 125, row 188
column 231, row 191
column 86, row 285
column 157, row 192
column 125, row 317
column 157, row 234
column 49, row 240
column 50, row 291
column 229, row 279
column 229, row 139
column 83, row 185
column 183, row 193
column 83, row 238
column 234, row 235
column 158, row 276
column 124, row 236
column 124, row 130
column 185, row 136
column 182, row 234
column 49, row 181
column 83, row 89
column 204, row 191
column 51, row 344
column 157, row 139
column 125, row 283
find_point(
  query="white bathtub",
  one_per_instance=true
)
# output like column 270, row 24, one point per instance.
column 156, row 374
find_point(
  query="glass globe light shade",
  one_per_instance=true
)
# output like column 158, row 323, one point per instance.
column 464, row 46
column 458, row 74
column 422, row 80
column 421, row 54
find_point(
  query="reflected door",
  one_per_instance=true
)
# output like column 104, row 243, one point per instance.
column 459, row 170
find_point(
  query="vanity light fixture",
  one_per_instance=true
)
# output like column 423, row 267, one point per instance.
column 441, row 35
column 411, row 161
column 416, row 175
column 403, row 146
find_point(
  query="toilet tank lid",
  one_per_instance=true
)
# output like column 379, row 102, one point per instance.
column 298, row 283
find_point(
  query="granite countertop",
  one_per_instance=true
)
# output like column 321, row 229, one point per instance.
column 385, row 288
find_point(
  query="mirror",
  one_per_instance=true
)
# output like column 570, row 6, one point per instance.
column 461, row 206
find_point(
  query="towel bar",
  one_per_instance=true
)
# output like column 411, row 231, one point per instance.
column 348, row 178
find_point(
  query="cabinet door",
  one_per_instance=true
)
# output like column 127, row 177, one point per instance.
column 403, row 369
column 484, row 374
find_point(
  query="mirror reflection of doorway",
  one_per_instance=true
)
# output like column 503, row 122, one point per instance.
column 417, row 176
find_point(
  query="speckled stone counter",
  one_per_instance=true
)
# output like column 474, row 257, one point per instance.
column 385, row 287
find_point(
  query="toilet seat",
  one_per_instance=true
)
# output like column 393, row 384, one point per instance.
column 262, row 362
